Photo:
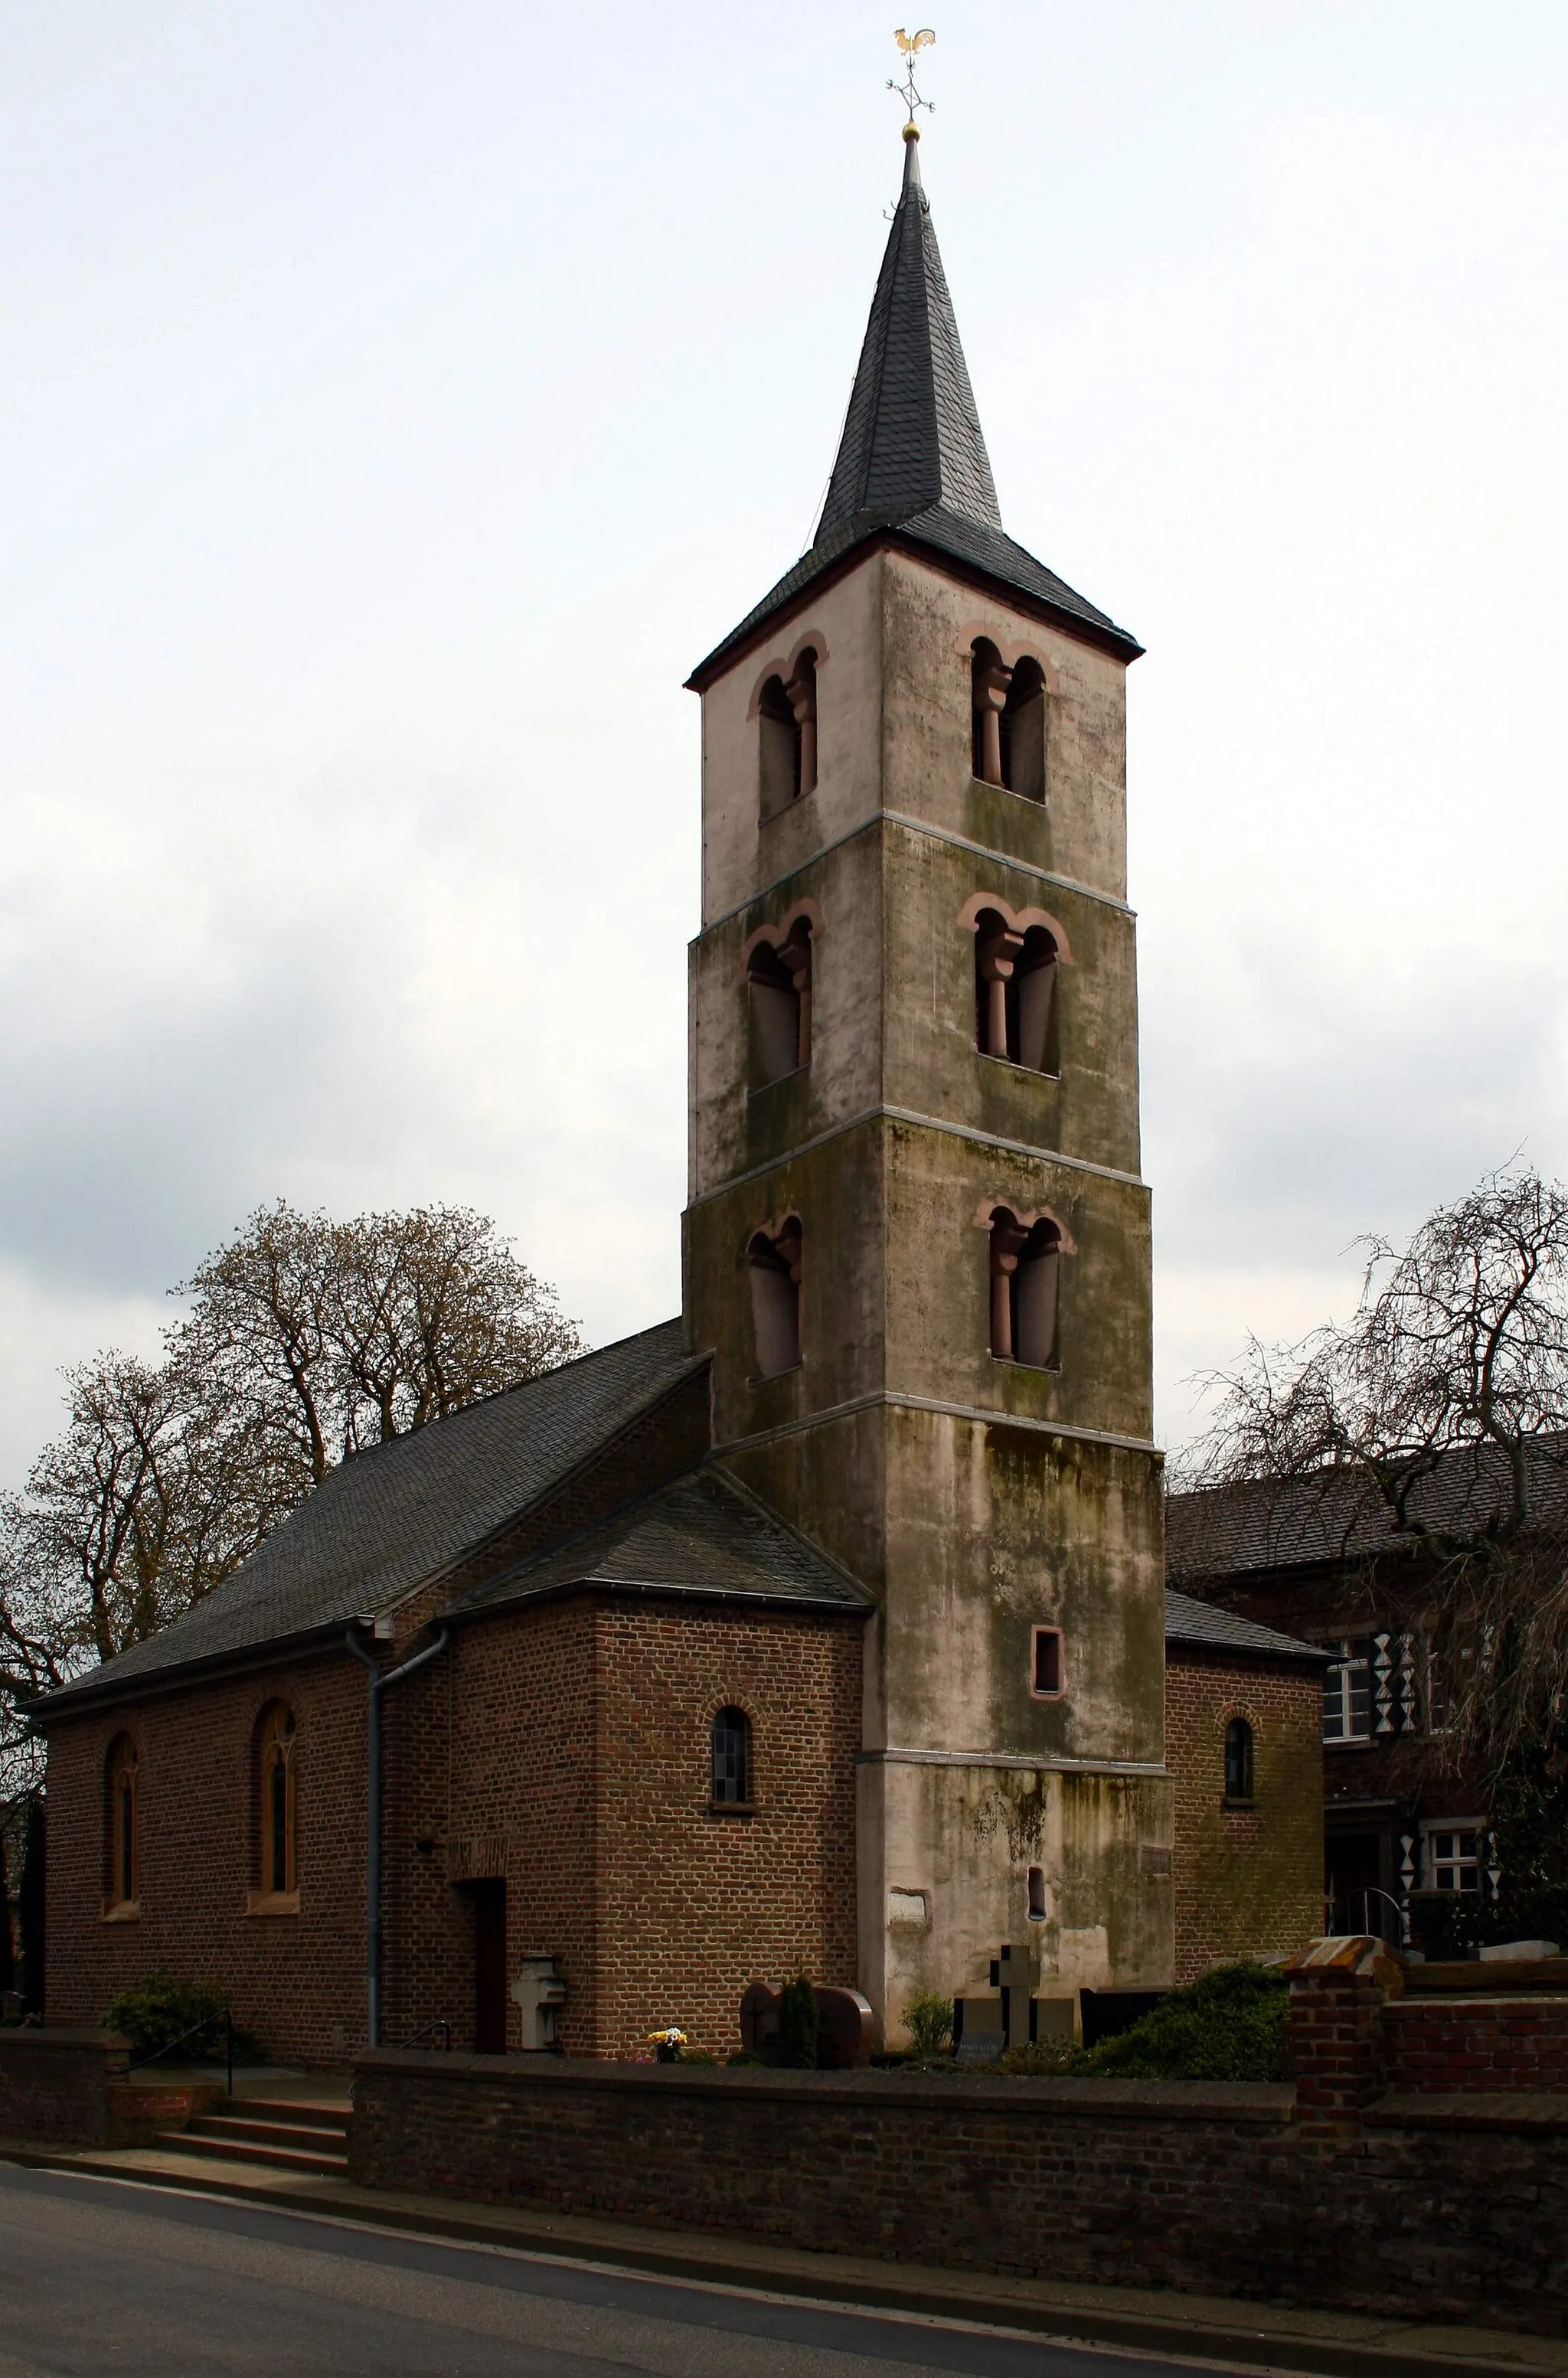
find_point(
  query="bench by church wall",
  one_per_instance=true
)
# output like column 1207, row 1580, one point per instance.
column 1231, row 2189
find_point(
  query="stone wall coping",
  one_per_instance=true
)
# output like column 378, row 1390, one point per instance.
column 1422, row 2010
column 1502, row 2111
column 1470, row 1976
column 35, row 2035
column 1255, row 2101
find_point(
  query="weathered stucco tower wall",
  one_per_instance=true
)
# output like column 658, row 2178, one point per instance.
column 1012, row 1790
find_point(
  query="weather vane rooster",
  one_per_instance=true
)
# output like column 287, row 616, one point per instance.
column 910, row 46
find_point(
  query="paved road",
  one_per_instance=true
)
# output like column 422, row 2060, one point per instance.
column 98, row 2277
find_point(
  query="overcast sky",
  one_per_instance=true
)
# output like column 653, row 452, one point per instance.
column 402, row 397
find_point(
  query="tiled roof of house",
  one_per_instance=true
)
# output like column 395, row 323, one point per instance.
column 912, row 460
column 1201, row 1626
column 702, row 1535
column 1338, row 1515
column 396, row 1516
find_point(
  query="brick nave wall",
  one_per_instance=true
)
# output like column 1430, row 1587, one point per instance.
column 581, row 1771
column 1249, row 1881
column 298, row 1981
column 564, row 1747
column 696, row 1903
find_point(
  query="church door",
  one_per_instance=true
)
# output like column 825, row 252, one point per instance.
column 490, row 1968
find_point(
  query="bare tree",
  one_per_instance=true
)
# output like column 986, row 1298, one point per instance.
column 305, row 1339
column 1437, row 1421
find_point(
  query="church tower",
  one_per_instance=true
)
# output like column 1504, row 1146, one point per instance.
column 918, row 1239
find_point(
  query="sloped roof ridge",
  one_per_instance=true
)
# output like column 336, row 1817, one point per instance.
column 375, row 1531
column 1187, row 1620
column 362, row 1453
column 621, row 1519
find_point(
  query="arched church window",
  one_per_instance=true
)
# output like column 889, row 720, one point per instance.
column 731, row 1763
column 1025, row 1258
column 1238, row 1760
column 1008, row 721
column 123, row 1831
column 773, row 1269
column 276, row 1797
column 1014, row 990
column 786, row 722
column 778, row 979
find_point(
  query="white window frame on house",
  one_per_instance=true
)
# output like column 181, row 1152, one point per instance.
column 1441, row 1854
column 1353, row 1659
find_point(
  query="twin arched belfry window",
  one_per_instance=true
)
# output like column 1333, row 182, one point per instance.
column 1025, row 1258
column 774, row 1265
column 1009, row 706
column 786, row 735
column 778, row 985
column 1015, row 972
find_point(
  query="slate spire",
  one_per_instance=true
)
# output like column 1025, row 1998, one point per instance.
column 912, row 437
column 912, row 470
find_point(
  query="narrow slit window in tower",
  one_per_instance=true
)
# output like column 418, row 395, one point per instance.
column 1239, row 1761
column 1045, row 1664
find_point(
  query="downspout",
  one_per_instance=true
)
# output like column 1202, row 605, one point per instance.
column 378, row 1684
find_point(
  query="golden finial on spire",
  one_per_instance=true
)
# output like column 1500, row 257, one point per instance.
column 911, row 46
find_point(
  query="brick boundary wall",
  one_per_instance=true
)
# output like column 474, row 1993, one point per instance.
column 1475, row 2044
column 1335, row 2192
column 55, row 2085
column 1444, row 2210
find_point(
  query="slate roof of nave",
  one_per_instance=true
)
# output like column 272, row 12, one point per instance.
column 912, row 459
column 701, row 1535
column 389, row 1519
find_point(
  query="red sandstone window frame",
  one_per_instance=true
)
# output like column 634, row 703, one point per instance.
column 122, row 1899
column 1047, row 1658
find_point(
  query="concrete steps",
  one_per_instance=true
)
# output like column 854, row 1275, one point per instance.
column 286, row 2135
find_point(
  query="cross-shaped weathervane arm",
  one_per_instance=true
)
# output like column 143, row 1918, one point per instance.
column 910, row 46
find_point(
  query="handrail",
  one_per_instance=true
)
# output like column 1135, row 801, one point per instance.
column 136, row 2063
column 1371, row 1892
column 440, row 2024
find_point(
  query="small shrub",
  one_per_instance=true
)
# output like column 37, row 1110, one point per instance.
column 1039, row 2056
column 158, row 2010
column 1230, row 2025
column 745, row 2056
column 927, row 2018
column 797, row 2026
